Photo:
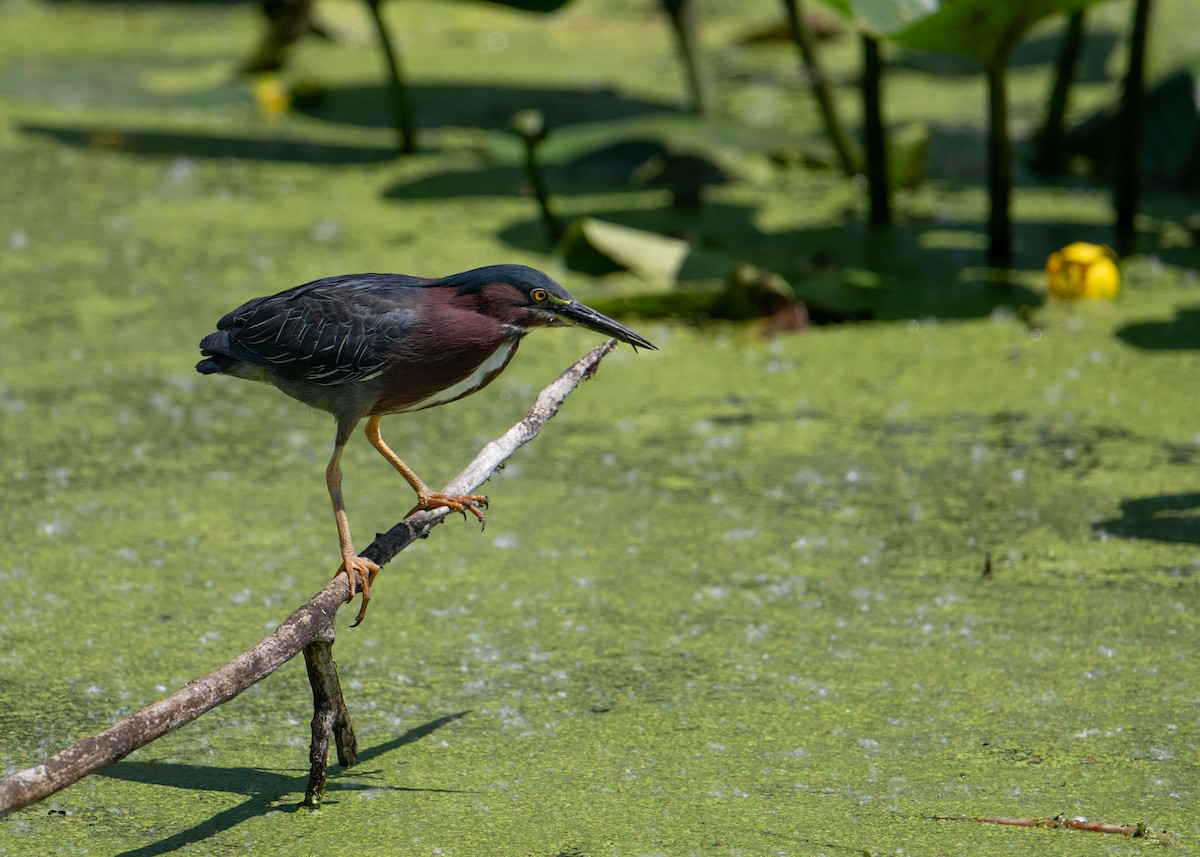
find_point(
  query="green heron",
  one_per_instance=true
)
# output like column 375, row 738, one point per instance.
column 367, row 345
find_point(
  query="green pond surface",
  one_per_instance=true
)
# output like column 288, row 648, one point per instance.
column 731, row 601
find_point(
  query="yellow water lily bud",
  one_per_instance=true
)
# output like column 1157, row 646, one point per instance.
column 272, row 95
column 1083, row 270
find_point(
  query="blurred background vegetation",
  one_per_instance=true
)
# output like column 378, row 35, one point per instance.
column 827, row 161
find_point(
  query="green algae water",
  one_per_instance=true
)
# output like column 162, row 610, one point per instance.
column 731, row 601
column 733, row 594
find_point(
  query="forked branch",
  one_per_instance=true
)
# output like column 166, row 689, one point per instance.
column 312, row 622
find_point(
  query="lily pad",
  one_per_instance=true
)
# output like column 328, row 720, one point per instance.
column 839, row 294
column 983, row 30
column 599, row 247
column 532, row 5
column 881, row 18
column 1171, row 129
column 908, row 154
column 714, row 140
column 682, row 280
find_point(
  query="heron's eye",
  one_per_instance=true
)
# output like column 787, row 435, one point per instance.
column 538, row 295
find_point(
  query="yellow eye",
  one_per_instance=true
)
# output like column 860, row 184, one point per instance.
column 538, row 295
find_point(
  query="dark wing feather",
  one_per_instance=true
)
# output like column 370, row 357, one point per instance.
column 333, row 331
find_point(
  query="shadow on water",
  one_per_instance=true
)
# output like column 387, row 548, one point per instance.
column 173, row 144
column 262, row 787
column 475, row 106
column 1173, row 518
column 135, row 3
column 1181, row 333
column 608, row 169
column 437, row 105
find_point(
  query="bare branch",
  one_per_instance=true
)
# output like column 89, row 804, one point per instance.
column 330, row 715
column 1137, row 831
column 308, row 624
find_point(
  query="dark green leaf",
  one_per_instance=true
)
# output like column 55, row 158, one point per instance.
column 881, row 18
column 983, row 30
column 532, row 5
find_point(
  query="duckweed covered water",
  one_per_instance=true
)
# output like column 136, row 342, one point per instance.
column 731, row 602
column 714, row 614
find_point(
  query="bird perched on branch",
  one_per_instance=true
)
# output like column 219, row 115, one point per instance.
column 362, row 346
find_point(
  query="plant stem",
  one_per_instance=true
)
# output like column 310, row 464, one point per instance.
column 1132, row 110
column 406, row 134
column 530, row 126
column 999, row 165
column 878, row 183
column 685, row 22
column 821, row 89
column 1048, row 156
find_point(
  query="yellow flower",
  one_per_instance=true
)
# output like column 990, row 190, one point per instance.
column 1083, row 270
column 272, row 95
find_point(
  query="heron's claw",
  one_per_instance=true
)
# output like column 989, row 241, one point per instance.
column 356, row 568
column 461, row 503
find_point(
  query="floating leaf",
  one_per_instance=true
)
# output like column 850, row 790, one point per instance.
column 840, row 294
column 983, row 30
column 599, row 247
column 696, row 281
column 532, row 5
column 1171, row 129
column 908, row 154
column 881, row 18
column 713, row 140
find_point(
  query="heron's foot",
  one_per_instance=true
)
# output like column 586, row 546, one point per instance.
column 356, row 568
column 461, row 503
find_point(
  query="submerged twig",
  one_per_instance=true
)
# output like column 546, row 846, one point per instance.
column 1135, row 830
column 309, row 626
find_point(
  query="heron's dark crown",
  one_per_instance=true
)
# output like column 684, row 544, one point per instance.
column 519, row 276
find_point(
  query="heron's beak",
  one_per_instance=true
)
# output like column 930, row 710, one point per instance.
column 585, row 316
